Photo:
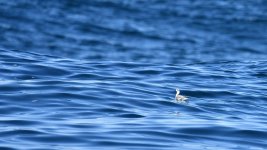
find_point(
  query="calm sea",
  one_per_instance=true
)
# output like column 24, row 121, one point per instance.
column 102, row 74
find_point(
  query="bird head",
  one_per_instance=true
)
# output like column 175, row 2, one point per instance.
column 177, row 91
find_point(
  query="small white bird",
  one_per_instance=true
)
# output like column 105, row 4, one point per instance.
column 179, row 97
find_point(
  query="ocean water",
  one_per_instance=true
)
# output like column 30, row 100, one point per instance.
column 102, row 74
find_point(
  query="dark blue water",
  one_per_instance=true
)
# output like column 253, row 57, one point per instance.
column 102, row 74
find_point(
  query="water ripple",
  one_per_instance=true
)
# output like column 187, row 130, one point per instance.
column 102, row 74
column 130, row 105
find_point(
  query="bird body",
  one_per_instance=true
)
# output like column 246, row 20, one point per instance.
column 179, row 97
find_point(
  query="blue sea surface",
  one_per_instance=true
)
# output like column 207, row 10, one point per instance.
column 102, row 74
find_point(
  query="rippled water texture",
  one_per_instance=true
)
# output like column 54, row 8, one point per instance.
column 102, row 74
